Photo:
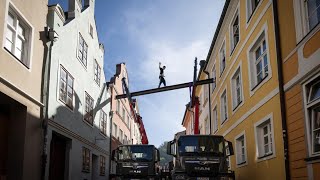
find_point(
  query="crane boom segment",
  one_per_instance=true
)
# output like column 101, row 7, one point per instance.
column 167, row 88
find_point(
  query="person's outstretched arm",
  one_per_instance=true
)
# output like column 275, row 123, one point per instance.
column 159, row 65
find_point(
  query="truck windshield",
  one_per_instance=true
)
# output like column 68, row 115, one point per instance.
column 203, row 145
column 135, row 153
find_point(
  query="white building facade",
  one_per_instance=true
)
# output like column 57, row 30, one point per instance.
column 78, row 135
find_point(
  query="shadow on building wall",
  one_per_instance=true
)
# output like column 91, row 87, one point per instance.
column 68, row 124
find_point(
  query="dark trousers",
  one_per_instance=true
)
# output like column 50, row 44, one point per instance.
column 162, row 80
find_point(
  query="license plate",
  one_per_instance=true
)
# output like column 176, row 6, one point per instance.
column 203, row 178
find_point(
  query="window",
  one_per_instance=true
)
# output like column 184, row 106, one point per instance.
column 241, row 156
column 82, row 50
column 312, row 94
column 17, row 37
column 234, row 31
column 206, row 92
column 251, row 7
column 88, row 109
column 313, row 9
column 118, row 106
column 91, row 31
column 103, row 123
column 125, row 140
column 66, row 88
column 259, row 61
column 123, row 114
column 85, row 159
column 207, row 121
column 306, row 16
column 222, row 58
column 214, row 78
column 228, row 161
column 264, row 135
column 224, row 108
column 115, row 130
column 97, row 72
column 215, row 119
column 102, row 166
column 128, row 122
column 120, row 138
column 236, row 83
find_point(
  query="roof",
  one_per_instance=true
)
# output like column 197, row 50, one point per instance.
column 214, row 39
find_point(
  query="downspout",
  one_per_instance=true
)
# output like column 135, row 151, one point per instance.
column 281, row 90
column 109, row 85
column 45, row 98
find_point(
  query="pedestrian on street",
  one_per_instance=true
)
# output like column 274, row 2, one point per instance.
column 161, row 76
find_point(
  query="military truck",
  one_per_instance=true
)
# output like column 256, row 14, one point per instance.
column 200, row 157
column 136, row 162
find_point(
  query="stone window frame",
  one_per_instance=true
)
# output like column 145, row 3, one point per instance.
column 309, row 106
column 27, row 38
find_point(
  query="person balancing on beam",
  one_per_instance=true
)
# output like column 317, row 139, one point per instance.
column 161, row 75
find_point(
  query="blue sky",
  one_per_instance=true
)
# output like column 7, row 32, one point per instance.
column 142, row 33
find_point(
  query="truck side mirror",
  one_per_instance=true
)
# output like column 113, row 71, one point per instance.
column 112, row 155
column 230, row 148
column 169, row 147
column 158, row 155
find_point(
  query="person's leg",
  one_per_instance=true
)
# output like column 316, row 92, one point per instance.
column 164, row 82
column 160, row 82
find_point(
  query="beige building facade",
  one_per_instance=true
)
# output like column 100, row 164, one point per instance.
column 21, row 61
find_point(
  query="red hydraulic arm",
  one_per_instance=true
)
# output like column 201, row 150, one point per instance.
column 137, row 118
column 196, row 116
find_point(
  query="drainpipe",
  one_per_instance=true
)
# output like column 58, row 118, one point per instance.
column 51, row 37
column 202, row 63
column 111, row 113
column 281, row 90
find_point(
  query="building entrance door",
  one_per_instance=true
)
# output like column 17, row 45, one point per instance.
column 4, row 126
column 95, row 167
column 57, row 158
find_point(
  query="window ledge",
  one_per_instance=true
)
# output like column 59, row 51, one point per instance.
column 222, row 72
column 225, row 120
column 16, row 58
column 242, row 163
column 205, row 102
column 238, row 105
column 85, row 171
column 103, row 135
column 233, row 49
column 310, row 33
column 259, row 83
column 313, row 158
column 91, row 125
column 266, row 155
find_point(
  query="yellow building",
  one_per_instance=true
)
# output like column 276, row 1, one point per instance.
column 245, row 101
column 300, row 43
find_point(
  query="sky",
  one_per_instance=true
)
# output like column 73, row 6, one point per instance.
column 143, row 33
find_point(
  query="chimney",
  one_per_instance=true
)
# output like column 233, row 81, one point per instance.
column 75, row 7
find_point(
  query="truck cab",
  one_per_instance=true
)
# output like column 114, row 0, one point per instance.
column 200, row 157
column 136, row 162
